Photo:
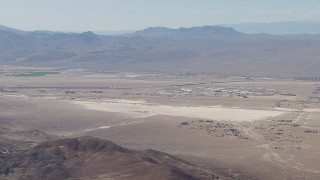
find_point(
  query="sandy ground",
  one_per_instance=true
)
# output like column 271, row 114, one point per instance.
column 269, row 134
column 138, row 109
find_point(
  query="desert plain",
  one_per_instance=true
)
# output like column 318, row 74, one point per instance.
column 244, row 127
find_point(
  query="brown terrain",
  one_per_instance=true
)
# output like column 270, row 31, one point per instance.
column 223, row 104
column 93, row 158
column 229, row 127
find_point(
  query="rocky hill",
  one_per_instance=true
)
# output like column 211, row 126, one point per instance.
column 93, row 158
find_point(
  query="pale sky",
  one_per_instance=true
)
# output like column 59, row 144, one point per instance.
column 120, row 15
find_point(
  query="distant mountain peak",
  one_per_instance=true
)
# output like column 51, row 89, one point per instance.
column 2, row 27
column 88, row 33
column 89, row 37
column 199, row 31
column 5, row 28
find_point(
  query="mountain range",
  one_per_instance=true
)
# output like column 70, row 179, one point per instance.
column 289, row 27
column 208, row 49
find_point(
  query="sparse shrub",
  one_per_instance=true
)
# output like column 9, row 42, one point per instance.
column 184, row 123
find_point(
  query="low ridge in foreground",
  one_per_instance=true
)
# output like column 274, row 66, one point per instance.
column 93, row 158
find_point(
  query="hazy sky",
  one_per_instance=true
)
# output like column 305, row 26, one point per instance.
column 114, row 15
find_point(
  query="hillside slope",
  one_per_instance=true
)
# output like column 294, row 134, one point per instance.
column 93, row 158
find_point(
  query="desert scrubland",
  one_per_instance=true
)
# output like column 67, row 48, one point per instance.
column 257, row 127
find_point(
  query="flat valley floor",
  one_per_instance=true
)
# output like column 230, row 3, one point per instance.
column 263, row 128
